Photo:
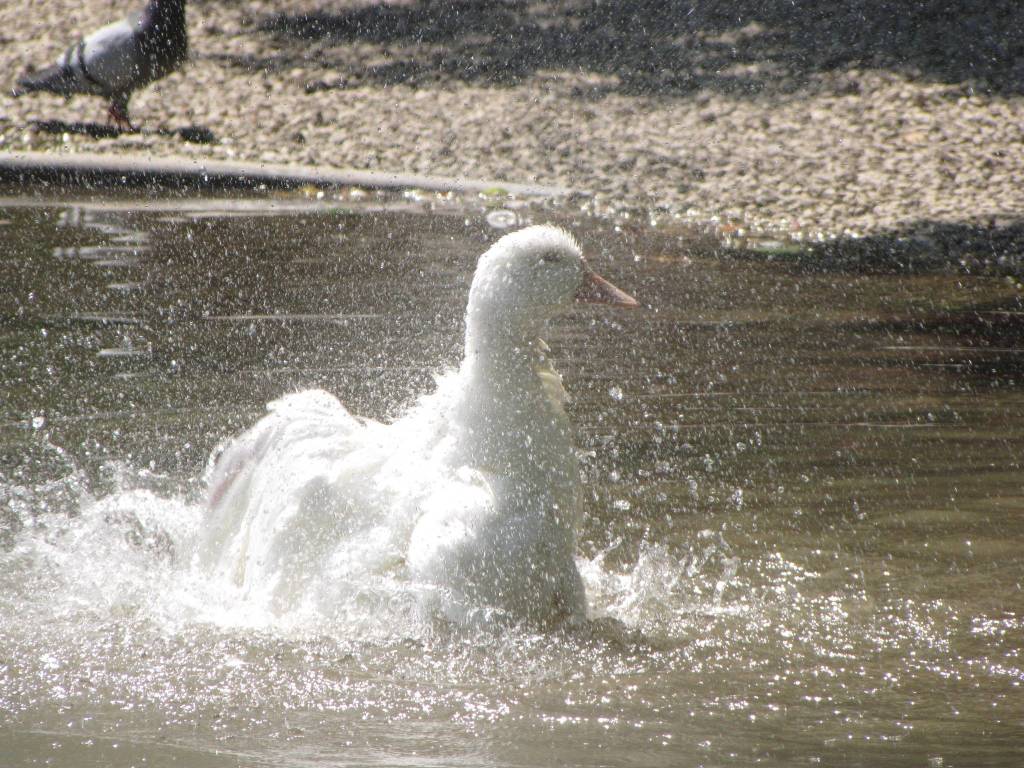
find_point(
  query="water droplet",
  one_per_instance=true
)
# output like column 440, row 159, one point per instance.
column 502, row 218
column 616, row 393
column 38, row 422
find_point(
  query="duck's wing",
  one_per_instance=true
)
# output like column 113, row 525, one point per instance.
column 449, row 544
column 288, row 487
column 293, row 420
column 451, row 521
column 478, row 546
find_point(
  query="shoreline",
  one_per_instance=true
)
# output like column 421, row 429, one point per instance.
column 68, row 172
column 736, row 119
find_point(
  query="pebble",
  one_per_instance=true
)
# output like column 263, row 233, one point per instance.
column 866, row 149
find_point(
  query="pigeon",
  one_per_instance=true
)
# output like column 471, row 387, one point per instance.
column 118, row 59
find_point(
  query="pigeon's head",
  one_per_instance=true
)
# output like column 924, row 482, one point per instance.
column 532, row 274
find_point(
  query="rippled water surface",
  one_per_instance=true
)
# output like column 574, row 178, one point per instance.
column 804, row 529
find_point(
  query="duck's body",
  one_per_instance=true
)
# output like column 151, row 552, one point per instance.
column 504, row 535
column 475, row 492
column 118, row 59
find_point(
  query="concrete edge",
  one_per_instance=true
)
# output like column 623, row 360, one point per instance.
column 70, row 172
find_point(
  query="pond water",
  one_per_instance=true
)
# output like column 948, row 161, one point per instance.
column 803, row 512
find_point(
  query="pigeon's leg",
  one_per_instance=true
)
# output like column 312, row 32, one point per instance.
column 118, row 113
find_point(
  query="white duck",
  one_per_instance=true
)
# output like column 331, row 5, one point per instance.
column 473, row 495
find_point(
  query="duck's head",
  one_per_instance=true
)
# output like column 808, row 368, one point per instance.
column 531, row 275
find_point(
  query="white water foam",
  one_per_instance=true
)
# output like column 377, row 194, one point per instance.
column 135, row 552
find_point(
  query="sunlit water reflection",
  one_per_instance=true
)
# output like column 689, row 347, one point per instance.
column 803, row 512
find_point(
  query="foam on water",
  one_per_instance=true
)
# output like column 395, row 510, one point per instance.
column 135, row 552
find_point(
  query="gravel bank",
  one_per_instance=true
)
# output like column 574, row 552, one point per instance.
column 834, row 117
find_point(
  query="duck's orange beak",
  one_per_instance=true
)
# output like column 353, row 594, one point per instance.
column 596, row 290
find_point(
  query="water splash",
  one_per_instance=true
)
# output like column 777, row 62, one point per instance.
column 134, row 552
column 662, row 588
column 130, row 552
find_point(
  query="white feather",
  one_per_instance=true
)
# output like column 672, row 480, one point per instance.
column 472, row 496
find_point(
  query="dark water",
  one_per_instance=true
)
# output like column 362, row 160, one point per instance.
column 804, row 501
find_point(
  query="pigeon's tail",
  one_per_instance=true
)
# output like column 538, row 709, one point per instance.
column 56, row 79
